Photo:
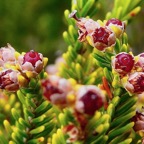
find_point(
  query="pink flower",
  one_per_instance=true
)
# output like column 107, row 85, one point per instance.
column 85, row 25
column 135, row 83
column 72, row 131
column 31, row 63
column 138, row 119
column 89, row 99
column 7, row 55
column 123, row 63
column 52, row 93
column 140, row 62
column 92, row 32
column 55, row 89
column 101, row 38
column 116, row 26
column 9, row 80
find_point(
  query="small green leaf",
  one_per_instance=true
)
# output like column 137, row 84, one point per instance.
column 87, row 7
column 42, row 107
column 15, row 114
column 120, row 131
column 37, row 130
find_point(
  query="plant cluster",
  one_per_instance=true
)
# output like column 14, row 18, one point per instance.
column 92, row 94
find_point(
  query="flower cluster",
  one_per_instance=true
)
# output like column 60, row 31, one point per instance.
column 97, row 34
column 16, row 69
column 85, row 99
column 131, row 71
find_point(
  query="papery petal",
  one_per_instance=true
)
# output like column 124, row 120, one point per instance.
column 27, row 66
column 39, row 66
column 135, row 83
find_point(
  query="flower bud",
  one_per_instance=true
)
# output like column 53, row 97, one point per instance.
column 72, row 131
column 91, row 31
column 123, row 63
column 55, row 89
column 7, row 56
column 138, row 119
column 140, row 62
column 116, row 26
column 89, row 99
column 101, row 38
column 135, row 83
column 85, row 25
column 31, row 63
column 9, row 80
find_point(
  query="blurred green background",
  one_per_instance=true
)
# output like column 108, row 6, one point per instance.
column 39, row 24
column 33, row 24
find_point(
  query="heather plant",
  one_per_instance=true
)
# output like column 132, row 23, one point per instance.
column 92, row 94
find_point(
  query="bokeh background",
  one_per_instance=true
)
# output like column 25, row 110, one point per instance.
column 39, row 24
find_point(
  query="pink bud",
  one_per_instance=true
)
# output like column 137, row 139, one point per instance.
column 89, row 99
column 123, row 63
column 138, row 119
column 135, row 83
column 72, row 131
column 101, row 38
column 55, row 89
column 116, row 26
column 31, row 62
column 85, row 25
column 52, row 93
column 31, row 57
column 140, row 62
column 9, row 80
column 7, row 55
